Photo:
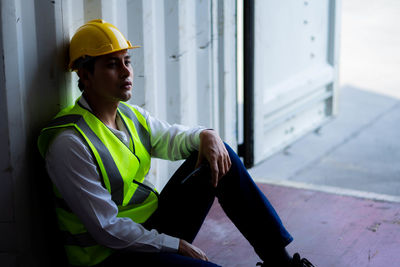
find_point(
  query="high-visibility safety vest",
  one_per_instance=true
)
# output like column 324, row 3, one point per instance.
column 122, row 168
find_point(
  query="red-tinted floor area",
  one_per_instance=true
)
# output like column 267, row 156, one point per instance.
column 328, row 229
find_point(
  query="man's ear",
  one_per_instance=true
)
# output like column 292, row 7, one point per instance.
column 83, row 75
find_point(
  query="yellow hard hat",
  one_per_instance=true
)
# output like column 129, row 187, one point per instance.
column 96, row 38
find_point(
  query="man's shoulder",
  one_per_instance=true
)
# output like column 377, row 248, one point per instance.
column 68, row 137
column 67, row 141
column 69, row 134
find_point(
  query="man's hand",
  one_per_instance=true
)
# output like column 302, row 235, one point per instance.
column 187, row 249
column 213, row 150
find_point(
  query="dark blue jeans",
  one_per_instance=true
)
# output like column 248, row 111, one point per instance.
column 183, row 208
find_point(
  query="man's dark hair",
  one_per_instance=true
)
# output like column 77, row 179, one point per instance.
column 86, row 63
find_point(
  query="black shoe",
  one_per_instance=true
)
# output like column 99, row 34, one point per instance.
column 298, row 262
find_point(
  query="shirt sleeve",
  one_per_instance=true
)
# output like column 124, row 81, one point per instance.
column 72, row 169
column 172, row 142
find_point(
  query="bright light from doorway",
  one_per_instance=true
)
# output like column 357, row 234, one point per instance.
column 370, row 46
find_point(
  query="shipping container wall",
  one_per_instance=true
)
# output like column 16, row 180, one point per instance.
column 295, row 70
column 185, row 72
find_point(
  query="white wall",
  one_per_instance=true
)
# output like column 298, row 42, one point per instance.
column 184, row 73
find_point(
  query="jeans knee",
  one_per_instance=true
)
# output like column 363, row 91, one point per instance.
column 235, row 160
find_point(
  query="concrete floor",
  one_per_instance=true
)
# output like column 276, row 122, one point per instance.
column 328, row 229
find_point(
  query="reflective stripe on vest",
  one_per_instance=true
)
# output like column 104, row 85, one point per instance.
column 116, row 181
column 142, row 132
column 115, row 178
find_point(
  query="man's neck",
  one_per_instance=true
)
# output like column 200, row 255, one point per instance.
column 105, row 110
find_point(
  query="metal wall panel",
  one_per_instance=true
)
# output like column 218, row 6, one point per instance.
column 183, row 70
column 295, row 77
column 31, row 48
column 184, row 73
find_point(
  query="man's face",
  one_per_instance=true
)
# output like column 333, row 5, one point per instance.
column 112, row 77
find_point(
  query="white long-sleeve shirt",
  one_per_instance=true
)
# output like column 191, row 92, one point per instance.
column 74, row 172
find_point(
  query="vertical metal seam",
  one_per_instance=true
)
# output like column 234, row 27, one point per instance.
column 248, row 79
